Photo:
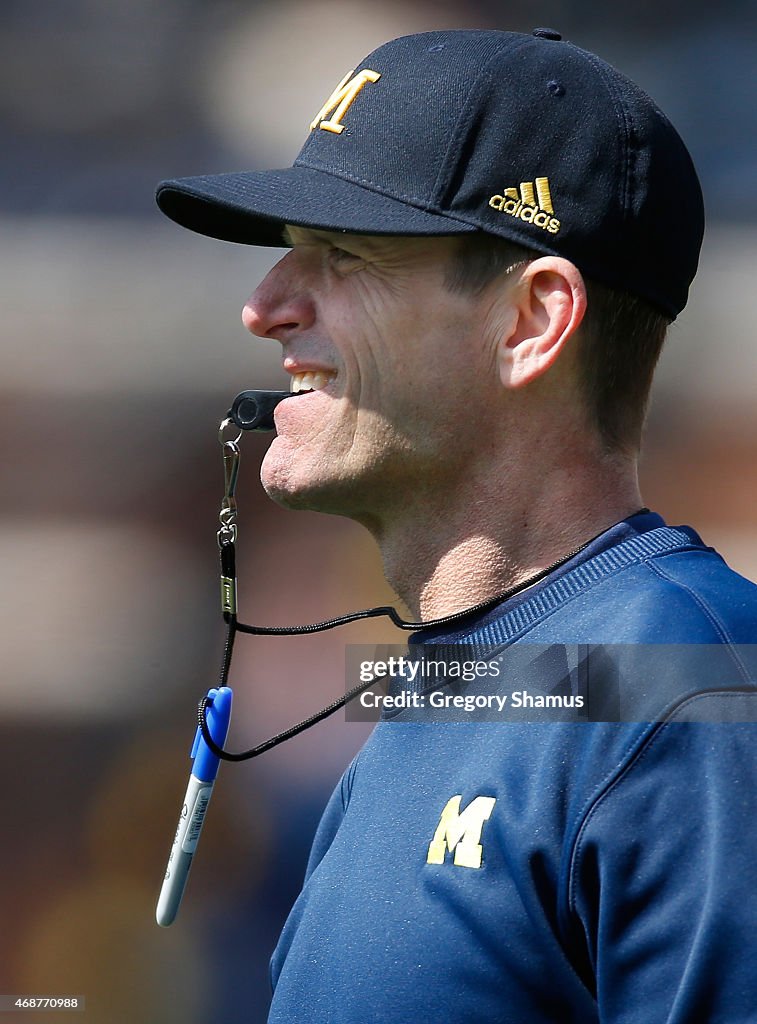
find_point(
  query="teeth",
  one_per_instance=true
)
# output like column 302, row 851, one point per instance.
column 309, row 381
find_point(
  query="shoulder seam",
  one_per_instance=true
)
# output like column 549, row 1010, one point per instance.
column 628, row 763
column 709, row 613
column 701, row 605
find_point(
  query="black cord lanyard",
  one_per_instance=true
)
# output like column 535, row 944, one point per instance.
column 227, row 536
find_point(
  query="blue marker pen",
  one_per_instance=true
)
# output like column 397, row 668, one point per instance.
column 200, row 788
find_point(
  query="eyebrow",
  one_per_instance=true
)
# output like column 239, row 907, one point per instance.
column 370, row 242
column 309, row 233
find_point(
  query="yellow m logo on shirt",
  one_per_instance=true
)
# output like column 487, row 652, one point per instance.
column 461, row 832
column 341, row 100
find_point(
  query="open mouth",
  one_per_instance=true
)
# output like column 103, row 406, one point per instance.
column 310, row 380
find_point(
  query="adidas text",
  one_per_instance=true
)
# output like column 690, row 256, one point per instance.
column 526, row 212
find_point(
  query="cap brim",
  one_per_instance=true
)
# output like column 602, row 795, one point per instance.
column 253, row 207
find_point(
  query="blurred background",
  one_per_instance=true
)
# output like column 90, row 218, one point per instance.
column 122, row 346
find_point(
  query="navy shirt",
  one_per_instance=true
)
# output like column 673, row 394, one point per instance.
column 554, row 871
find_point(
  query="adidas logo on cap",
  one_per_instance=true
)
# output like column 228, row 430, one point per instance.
column 533, row 209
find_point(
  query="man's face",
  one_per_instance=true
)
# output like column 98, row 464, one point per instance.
column 397, row 360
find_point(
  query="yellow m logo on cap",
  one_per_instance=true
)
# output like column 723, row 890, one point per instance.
column 341, row 100
column 461, row 832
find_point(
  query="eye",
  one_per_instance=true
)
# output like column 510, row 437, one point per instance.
column 344, row 260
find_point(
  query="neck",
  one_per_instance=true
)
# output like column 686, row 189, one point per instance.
column 478, row 540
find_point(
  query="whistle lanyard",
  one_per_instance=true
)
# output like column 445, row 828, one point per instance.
column 227, row 538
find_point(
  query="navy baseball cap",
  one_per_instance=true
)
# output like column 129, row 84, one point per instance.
column 526, row 137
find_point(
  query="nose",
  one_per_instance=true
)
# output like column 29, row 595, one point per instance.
column 282, row 304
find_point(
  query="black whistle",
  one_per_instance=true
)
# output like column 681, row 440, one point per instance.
column 253, row 410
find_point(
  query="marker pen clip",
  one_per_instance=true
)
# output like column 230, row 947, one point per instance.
column 200, row 788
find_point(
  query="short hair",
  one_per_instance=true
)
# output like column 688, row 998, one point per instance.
column 619, row 341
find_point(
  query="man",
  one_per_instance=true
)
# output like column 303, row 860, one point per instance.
column 489, row 233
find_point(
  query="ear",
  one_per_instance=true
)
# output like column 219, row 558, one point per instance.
column 549, row 301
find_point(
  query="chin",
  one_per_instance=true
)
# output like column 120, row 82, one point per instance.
column 295, row 488
column 292, row 488
column 283, row 489
column 290, row 498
